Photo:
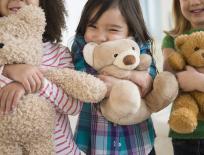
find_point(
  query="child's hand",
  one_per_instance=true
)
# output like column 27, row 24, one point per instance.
column 109, row 81
column 190, row 80
column 29, row 76
column 143, row 80
column 9, row 97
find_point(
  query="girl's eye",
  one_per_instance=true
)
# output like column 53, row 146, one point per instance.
column 114, row 30
column 92, row 26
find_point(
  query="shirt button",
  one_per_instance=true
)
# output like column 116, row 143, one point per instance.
column 114, row 143
column 119, row 144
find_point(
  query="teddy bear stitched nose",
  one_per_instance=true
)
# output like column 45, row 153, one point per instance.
column 129, row 60
column 1, row 45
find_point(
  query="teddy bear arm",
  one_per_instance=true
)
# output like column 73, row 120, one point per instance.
column 199, row 97
column 125, row 106
column 79, row 85
column 176, row 61
column 141, row 115
column 165, row 90
column 115, row 72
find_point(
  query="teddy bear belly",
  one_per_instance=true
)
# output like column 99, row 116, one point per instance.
column 32, row 120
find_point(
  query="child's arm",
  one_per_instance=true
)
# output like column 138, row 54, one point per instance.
column 63, row 102
column 56, row 95
column 10, row 94
column 189, row 79
column 144, row 79
column 28, row 75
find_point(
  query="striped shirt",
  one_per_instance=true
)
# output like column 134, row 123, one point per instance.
column 97, row 136
column 58, row 56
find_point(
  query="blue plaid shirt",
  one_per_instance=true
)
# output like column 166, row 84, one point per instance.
column 97, row 136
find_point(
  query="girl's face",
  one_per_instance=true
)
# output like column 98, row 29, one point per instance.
column 110, row 26
column 193, row 11
column 12, row 6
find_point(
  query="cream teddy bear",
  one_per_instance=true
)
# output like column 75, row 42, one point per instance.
column 125, row 106
column 31, row 125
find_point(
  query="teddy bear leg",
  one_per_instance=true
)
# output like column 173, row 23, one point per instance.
column 165, row 90
column 10, row 149
column 183, row 118
column 142, row 114
column 124, row 100
column 45, row 147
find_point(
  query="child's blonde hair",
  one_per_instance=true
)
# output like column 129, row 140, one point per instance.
column 181, row 24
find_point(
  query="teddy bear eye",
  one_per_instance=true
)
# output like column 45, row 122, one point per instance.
column 1, row 45
column 196, row 48
column 115, row 55
column 133, row 48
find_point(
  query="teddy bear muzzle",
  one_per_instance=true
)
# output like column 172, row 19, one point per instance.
column 129, row 60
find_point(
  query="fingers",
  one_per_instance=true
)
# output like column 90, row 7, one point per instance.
column 26, row 86
column 102, row 77
column 10, row 96
column 9, row 102
column 18, row 95
column 189, row 68
column 3, row 99
column 40, row 76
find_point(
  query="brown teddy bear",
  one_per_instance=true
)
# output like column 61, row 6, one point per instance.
column 31, row 125
column 125, row 106
column 187, row 106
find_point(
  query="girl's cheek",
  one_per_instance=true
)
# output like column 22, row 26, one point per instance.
column 88, row 38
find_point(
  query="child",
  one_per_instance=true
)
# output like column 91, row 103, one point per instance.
column 105, row 20
column 189, row 17
column 27, row 78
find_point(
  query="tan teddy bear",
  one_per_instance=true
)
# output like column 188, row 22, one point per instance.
column 125, row 106
column 187, row 106
column 30, row 126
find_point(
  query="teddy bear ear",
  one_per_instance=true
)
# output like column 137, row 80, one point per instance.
column 34, row 16
column 88, row 52
column 180, row 40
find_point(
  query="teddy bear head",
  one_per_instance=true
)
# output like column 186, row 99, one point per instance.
column 21, row 36
column 123, row 53
column 191, row 48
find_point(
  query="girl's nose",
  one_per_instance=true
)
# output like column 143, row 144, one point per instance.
column 195, row 2
column 101, row 37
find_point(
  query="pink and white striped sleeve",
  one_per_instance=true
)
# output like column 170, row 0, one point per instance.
column 62, row 101
column 3, row 80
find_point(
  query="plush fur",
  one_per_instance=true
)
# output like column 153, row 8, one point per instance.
column 125, row 106
column 187, row 106
column 30, row 127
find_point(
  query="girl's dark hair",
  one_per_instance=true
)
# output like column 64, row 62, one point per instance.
column 130, row 10
column 55, row 13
